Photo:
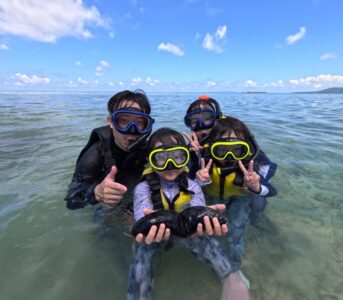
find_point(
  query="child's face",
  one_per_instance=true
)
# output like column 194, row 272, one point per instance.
column 168, row 175
column 205, row 132
column 202, row 133
column 227, row 135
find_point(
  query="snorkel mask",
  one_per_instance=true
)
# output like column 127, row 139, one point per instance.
column 132, row 121
column 169, row 159
column 200, row 119
column 227, row 152
column 203, row 118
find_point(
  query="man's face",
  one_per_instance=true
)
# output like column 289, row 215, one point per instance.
column 123, row 141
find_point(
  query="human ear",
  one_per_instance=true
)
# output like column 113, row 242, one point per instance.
column 109, row 121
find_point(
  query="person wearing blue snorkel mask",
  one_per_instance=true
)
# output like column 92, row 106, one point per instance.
column 240, row 171
column 115, row 155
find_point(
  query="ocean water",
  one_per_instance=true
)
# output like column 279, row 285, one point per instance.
column 293, row 251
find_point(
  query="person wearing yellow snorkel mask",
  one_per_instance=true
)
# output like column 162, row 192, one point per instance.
column 240, row 171
column 201, row 117
column 166, row 186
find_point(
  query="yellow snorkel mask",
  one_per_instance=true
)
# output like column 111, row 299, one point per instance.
column 170, row 158
column 226, row 149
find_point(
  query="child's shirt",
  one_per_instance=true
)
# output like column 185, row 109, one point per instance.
column 142, row 195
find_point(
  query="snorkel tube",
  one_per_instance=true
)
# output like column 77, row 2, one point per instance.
column 137, row 143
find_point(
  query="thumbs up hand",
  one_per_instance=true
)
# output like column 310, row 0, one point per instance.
column 109, row 191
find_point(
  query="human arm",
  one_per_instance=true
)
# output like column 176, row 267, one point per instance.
column 266, row 169
column 258, row 174
column 90, row 184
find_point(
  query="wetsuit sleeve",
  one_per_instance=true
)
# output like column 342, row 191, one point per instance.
column 141, row 200
column 266, row 169
column 89, row 172
column 198, row 198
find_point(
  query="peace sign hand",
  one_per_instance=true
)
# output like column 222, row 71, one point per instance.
column 203, row 174
column 194, row 142
column 251, row 178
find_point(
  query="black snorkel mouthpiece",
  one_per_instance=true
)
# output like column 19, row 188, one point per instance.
column 138, row 142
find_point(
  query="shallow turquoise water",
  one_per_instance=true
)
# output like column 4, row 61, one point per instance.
column 294, row 251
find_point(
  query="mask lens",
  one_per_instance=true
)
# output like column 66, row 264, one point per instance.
column 204, row 118
column 179, row 156
column 160, row 158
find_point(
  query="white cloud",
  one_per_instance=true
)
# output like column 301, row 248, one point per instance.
column 317, row 81
column 82, row 81
column 79, row 81
column 151, row 82
column 176, row 50
column 111, row 35
column 110, row 83
column 47, row 21
column 276, row 84
column 78, row 63
column 250, row 83
column 211, row 84
column 3, row 46
column 136, row 81
column 23, row 79
column 327, row 56
column 120, row 83
column 102, row 66
column 214, row 42
column 221, row 32
column 291, row 39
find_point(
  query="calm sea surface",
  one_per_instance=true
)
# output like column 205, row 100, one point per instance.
column 294, row 251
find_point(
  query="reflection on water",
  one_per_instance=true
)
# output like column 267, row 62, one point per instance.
column 294, row 251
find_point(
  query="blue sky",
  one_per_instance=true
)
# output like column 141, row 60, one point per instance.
column 181, row 46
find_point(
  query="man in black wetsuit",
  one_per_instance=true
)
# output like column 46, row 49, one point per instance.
column 114, row 156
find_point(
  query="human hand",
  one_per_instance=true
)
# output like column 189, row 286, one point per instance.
column 251, row 178
column 109, row 191
column 156, row 234
column 203, row 174
column 216, row 229
column 194, row 142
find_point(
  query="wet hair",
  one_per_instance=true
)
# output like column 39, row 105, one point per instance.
column 227, row 126
column 167, row 137
column 200, row 104
column 205, row 102
column 137, row 96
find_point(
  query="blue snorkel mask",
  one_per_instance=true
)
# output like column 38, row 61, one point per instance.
column 132, row 121
column 200, row 119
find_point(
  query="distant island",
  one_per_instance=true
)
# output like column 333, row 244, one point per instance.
column 334, row 90
column 254, row 92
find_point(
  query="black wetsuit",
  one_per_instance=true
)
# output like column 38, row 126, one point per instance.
column 95, row 162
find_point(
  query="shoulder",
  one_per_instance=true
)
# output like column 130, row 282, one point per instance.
column 91, row 160
column 142, row 187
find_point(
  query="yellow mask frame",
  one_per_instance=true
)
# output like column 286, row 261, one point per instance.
column 230, row 144
column 170, row 159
